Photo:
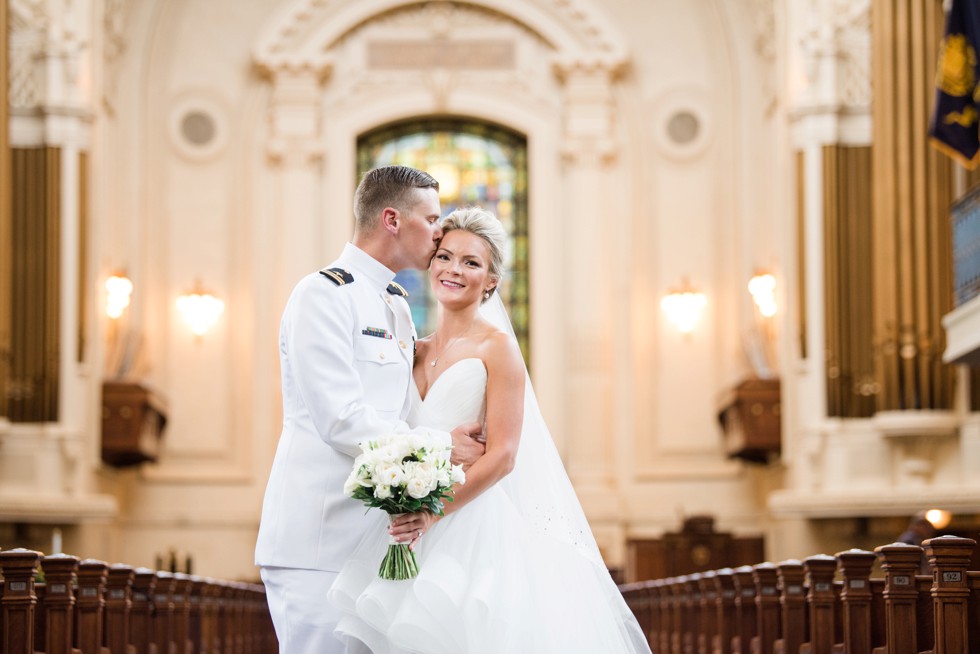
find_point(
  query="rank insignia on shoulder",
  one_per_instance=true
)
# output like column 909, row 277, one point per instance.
column 338, row 276
column 397, row 289
column 377, row 332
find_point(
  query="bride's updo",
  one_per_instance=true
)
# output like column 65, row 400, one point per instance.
column 484, row 224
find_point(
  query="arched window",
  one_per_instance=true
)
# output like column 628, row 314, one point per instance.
column 477, row 164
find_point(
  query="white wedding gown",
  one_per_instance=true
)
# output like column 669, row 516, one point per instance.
column 495, row 577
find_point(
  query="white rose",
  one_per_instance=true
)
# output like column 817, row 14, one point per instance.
column 382, row 492
column 417, row 488
column 389, row 474
column 351, row 485
column 427, row 473
column 458, row 476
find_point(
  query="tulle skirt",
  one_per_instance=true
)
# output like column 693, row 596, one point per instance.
column 487, row 585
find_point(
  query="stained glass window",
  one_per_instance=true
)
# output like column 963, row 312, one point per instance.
column 477, row 164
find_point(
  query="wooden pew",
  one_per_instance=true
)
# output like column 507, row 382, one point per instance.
column 823, row 602
column 18, row 601
column 767, row 607
column 792, row 605
column 59, row 603
column 855, row 569
column 89, row 607
column 141, row 613
column 724, row 611
column 948, row 558
column 118, row 606
column 746, row 624
column 163, row 613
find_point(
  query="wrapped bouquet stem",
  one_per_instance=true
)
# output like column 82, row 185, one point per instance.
column 399, row 561
column 403, row 473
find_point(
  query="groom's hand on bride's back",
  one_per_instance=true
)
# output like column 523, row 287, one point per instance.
column 467, row 444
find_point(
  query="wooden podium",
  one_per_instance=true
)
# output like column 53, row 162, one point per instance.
column 133, row 419
column 750, row 420
column 697, row 547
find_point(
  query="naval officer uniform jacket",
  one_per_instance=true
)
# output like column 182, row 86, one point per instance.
column 346, row 345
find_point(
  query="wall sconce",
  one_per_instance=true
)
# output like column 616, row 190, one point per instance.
column 763, row 290
column 683, row 307
column 200, row 309
column 119, row 290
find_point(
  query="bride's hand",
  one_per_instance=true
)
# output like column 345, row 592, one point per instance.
column 409, row 528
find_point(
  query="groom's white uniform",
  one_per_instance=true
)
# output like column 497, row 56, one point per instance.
column 346, row 345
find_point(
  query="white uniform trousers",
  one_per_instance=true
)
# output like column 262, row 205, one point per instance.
column 303, row 618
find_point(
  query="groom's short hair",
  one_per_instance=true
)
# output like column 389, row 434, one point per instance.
column 387, row 186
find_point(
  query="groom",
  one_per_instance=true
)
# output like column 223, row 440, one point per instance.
column 346, row 345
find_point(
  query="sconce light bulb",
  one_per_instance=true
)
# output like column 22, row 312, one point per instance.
column 200, row 310
column 683, row 308
column 939, row 518
column 762, row 287
column 118, row 292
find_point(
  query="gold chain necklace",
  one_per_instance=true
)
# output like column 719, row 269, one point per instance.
column 447, row 348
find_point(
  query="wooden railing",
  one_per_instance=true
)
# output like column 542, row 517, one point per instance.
column 90, row 607
column 822, row 605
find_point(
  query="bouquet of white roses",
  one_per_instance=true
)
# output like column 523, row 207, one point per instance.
column 403, row 473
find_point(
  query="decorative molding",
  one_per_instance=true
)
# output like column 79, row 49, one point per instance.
column 840, row 40
column 113, row 30
column 311, row 26
column 47, row 44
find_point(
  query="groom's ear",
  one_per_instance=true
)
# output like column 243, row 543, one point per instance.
column 390, row 219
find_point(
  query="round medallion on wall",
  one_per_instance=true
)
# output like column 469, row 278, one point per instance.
column 198, row 128
column 681, row 125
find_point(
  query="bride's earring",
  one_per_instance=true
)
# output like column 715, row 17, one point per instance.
column 486, row 295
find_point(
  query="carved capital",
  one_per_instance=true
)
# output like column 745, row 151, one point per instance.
column 570, row 66
column 294, row 153
column 837, row 54
column 593, row 153
column 295, row 110
column 47, row 41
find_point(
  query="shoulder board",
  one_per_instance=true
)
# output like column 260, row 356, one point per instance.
column 396, row 289
column 338, row 276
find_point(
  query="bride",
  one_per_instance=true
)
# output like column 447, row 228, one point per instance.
column 512, row 567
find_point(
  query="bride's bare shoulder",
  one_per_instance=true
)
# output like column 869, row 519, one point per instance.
column 500, row 350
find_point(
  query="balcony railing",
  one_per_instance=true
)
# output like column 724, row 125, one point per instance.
column 965, row 219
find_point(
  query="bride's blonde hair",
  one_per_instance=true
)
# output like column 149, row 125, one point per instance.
column 484, row 224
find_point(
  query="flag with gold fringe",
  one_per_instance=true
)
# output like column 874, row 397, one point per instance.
column 955, row 120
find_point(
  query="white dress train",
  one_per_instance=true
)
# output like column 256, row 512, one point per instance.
column 515, row 571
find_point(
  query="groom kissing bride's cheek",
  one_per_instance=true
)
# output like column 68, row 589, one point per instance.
column 509, row 551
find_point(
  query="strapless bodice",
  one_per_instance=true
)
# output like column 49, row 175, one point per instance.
column 458, row 395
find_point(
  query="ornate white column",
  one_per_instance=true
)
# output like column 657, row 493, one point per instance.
column 51, row 98
column 588, row 154
column 296, row 155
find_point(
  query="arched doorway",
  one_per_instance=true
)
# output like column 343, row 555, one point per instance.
column 477, row 164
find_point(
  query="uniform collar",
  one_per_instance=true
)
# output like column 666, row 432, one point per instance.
column 361, row 264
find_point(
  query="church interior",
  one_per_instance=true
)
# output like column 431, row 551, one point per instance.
column 744, row 282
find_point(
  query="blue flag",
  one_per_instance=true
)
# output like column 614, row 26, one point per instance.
column 955, row 120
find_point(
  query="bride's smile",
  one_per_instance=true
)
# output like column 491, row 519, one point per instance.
column 460, row 272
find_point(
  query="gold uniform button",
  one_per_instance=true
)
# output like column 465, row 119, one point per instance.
column 402, row 343
column 381, row 356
